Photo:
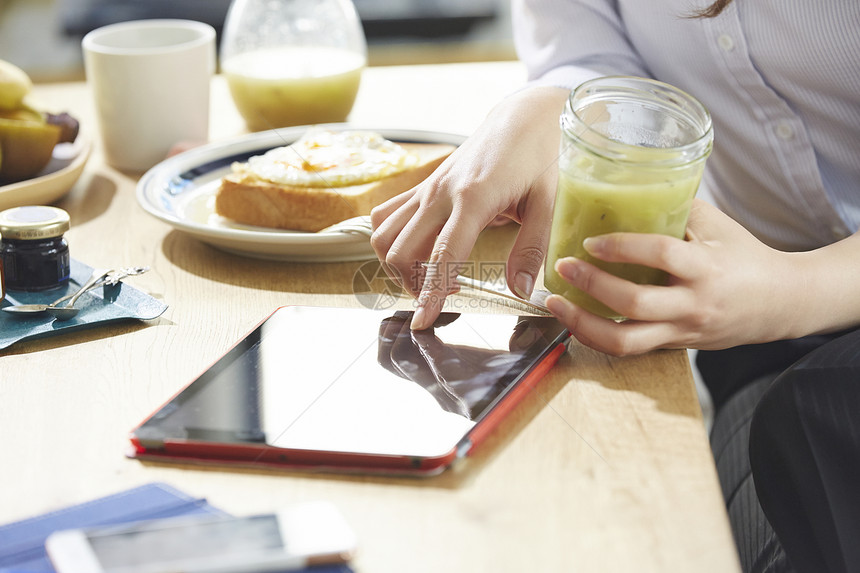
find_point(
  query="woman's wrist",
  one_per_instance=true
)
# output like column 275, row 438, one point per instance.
column 824, row 285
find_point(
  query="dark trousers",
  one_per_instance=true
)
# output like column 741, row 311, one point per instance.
column 786, row 441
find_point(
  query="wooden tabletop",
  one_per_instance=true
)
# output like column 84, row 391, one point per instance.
column 604, row 467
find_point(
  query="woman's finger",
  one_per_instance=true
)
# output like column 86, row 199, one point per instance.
column 529, row 249
column 382, row 211
column 450, row 250
column 611, row 337
column 387, row 229
column 412, row 246
column 675, row 256
column 636, row 301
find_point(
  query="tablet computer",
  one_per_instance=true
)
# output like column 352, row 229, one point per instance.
column 354, row 390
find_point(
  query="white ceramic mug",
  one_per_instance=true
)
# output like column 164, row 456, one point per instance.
column 150, row 80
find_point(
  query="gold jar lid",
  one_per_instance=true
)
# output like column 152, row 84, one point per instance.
column 33, row 222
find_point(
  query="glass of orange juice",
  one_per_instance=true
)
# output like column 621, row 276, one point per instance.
column 292, row 62
column 632, row 155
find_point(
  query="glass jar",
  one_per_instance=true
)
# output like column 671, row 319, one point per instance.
column 293, row 62
column 632, row 155
column 33, row 251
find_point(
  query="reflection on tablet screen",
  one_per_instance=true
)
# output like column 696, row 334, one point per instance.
column 356, row 380
column 462, row 379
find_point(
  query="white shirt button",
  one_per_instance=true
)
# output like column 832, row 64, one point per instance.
column 726, row 42
column 838, row 232
column 784, row 131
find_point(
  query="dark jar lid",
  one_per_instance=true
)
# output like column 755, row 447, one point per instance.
column 33, row 222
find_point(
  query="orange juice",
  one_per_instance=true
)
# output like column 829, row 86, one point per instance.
column 280, row 87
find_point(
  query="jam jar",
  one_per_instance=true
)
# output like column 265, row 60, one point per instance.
column 33, row 252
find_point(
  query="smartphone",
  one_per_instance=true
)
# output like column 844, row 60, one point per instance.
column 303, row 535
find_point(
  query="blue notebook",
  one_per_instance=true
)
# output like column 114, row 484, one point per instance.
column 22, row 543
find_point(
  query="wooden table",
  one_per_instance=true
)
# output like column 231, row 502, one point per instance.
column 605, row 467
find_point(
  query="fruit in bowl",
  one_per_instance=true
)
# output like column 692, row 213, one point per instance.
column 27, row 135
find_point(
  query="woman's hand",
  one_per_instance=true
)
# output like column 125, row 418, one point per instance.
column 725, row 288
column 508, row 167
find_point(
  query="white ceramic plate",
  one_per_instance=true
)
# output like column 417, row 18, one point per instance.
column 54, row 181
column 181, row 192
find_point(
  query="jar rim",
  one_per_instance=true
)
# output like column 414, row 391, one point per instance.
column 655, row 92
column 32, row 222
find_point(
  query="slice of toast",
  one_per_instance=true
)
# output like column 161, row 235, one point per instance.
column 247, row 199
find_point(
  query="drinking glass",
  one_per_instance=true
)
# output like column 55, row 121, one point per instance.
column 293, row 62
column 632, row 155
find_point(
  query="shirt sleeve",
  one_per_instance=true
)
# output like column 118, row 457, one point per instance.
column 565, row 42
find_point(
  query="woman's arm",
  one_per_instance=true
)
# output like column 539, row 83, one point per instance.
column 508, row 166
column 565, row 42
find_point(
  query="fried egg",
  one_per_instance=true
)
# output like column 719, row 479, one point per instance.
column 323, row 158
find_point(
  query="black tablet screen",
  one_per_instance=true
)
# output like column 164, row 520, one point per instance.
column 357, row 380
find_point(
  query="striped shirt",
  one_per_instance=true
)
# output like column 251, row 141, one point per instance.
column 781, row 79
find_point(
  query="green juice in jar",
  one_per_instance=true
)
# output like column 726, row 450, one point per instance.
column 632, row 155
column 632, row 202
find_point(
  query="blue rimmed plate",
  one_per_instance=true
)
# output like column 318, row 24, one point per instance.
column 181, row 192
